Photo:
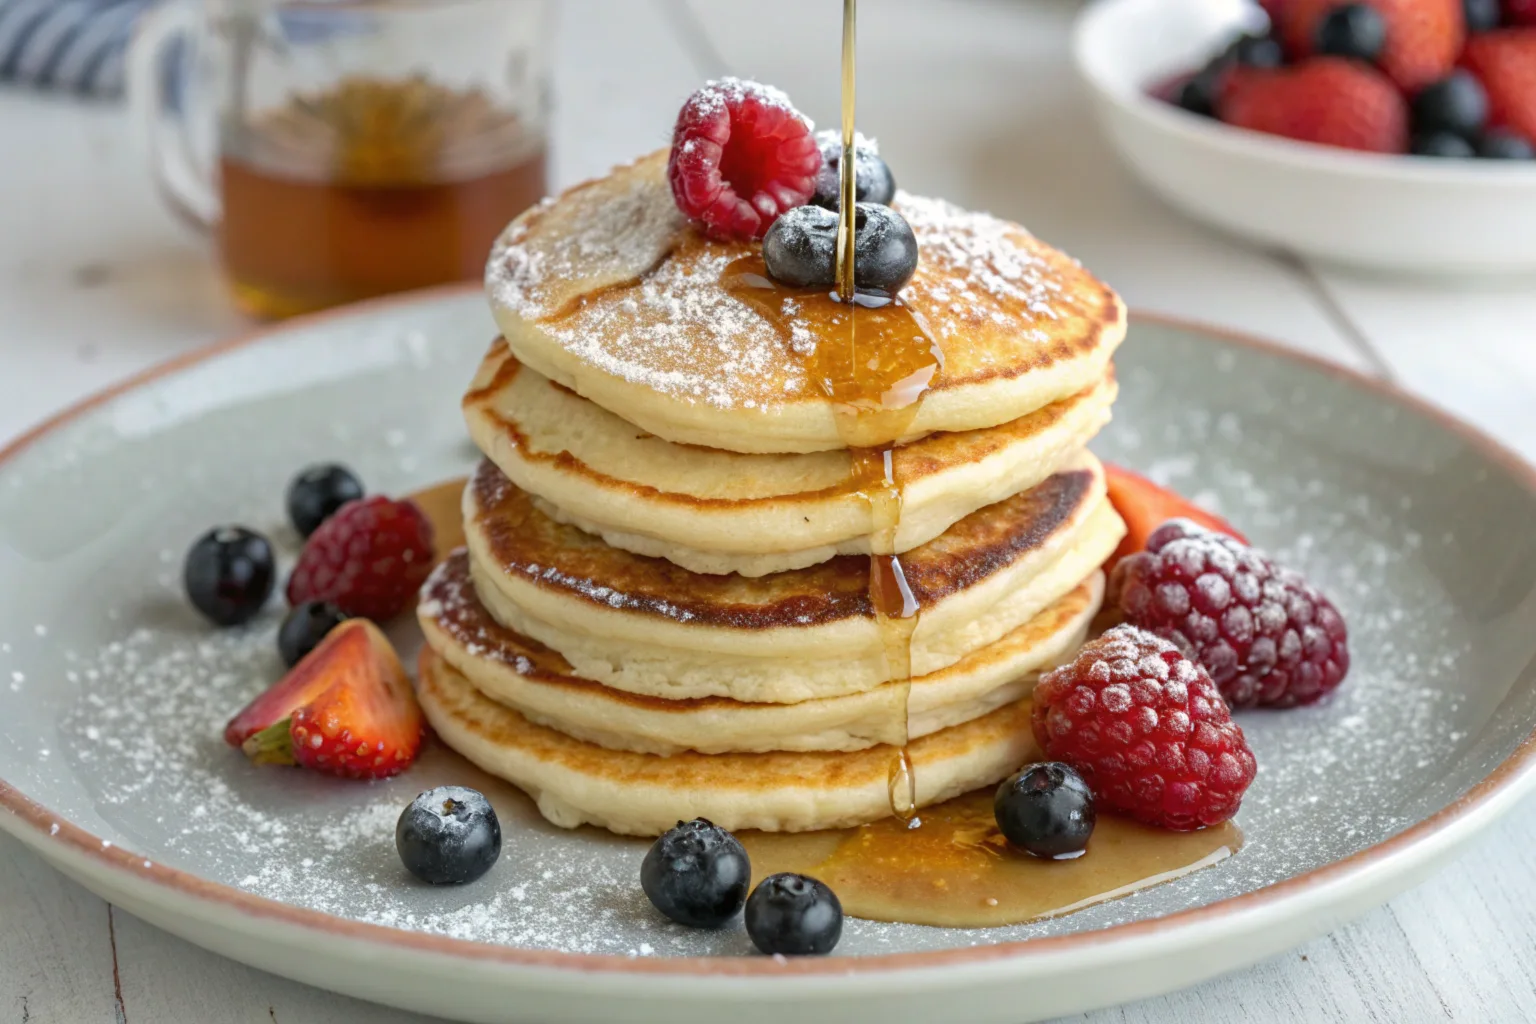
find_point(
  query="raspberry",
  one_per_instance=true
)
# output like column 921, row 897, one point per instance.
column 368, row 559
column 1262, row 632
column 1423, row 36
column 1327, row 100
column 1146, row 728
column 741, row 155
column 1505, row 62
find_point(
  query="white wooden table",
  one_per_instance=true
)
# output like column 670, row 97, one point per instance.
column 970, row 99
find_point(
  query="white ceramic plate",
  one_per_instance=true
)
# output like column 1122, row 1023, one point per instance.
column 1389, row 213
column 113, row 694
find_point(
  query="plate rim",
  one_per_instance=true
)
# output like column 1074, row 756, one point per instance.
column 1509, row 778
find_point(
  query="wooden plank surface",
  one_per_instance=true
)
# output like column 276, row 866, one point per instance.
column 971, row 99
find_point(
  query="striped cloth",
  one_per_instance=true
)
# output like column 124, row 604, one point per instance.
column 67, row 45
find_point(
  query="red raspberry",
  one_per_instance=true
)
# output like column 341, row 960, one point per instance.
column 368, row 559
column 1327, row 100
column 1520, row 12
column 1264, row 634
column 741, row 155
column 1505, row 62
column 1423, row 36
column 1145, row 727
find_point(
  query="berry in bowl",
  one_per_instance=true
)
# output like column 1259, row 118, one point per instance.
column 1394, row 135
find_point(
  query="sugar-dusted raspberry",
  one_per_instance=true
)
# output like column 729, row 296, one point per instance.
column 1265, row 635
column 368, row 559
column 1147, row 729
column 741, row 155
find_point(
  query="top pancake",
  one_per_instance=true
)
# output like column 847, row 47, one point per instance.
column 608, row 291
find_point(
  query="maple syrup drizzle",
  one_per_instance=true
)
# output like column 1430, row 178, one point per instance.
column 847, row 190
column 874, row 471
column 874, row 358
column 958, row 871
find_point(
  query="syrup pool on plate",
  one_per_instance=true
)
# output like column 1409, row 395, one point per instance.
column 957, row 870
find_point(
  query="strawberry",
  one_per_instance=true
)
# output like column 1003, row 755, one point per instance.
column 1327, row 100
column 346, row 709
column 1505, row 62
column 1520, row 12
column 1145, row 506
column 1423, row 36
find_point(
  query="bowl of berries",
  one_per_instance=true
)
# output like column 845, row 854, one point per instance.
column 1396, row 135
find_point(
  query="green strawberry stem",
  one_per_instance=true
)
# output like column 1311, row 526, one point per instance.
column 273, row 745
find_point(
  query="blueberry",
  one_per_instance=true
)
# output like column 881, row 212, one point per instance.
column 229, row 574
column 697, row 874
column 872, row 178
column 1481, row 15
column 306, row 625
column 1498, row 144
column 1256, row 51
column 792, row 915
column 884, row 249
column 1351, row 30
column 1046, row 810
column 1198, row 94
column 448, row 836
column 800, row 250
column 316, row 494
column 1442, row 144
column 1456, row 104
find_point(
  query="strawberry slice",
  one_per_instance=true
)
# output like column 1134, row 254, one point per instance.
column 1145, row 506
column 346, row 709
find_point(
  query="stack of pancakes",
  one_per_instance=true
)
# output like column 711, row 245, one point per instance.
column 663, row 608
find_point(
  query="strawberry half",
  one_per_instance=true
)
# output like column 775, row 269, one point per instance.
column 1505, row 62
column 1423, row 36
column 1327, row 100
column 1145, row 506
column 346, row 709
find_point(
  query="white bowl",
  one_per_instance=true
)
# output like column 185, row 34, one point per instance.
column 1390, row 213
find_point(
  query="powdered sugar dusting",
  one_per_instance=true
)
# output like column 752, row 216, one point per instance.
column 616, row 285
column 831, row 139
column 720, row 94
column 596, row 236
column 980, row 265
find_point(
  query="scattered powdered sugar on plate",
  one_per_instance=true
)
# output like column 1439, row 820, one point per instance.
column 1384, row 511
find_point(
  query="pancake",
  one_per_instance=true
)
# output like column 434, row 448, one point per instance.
column 715, row 511
column 539, row 684
column 576, row 783
column 650, row 627
column 607, row 291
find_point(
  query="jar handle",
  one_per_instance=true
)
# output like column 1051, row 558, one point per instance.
column 160, row 109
